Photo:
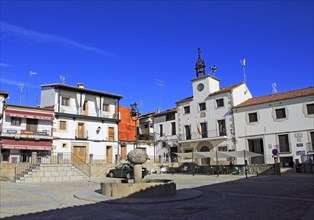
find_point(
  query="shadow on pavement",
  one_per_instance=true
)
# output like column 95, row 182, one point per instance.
column 262, row 197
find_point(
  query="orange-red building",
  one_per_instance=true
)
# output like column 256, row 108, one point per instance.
column 126, row 125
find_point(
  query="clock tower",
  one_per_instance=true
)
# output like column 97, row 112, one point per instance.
column 204, row 84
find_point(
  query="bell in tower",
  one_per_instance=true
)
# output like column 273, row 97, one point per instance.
column 200, row 65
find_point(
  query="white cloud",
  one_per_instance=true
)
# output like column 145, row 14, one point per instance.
column 5, row 65
column 12, row 31
column 16, row 83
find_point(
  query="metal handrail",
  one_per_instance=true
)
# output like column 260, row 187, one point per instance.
column 51, row 158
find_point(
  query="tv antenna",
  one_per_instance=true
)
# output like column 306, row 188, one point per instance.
column 20, row 85
column 274, row 86
column 28, row 83
column 243, row 63
column 161, row 84
column 62, row 79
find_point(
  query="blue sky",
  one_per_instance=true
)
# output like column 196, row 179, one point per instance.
column 128, row 47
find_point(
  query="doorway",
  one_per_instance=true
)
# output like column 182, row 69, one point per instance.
column 205, row 161
column 256, row 146
column 80, row 130
column 109, row 154
column 85, row 108
column 80, row 153
column 123, row 152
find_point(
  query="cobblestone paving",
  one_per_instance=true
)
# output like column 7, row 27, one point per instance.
column 224, row 197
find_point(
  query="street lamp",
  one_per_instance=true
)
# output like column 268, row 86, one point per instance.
column 135, row 116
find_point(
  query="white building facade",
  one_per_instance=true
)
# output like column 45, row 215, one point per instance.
column 165, row 133
column 86, row 121
column 25, row 130
column 282, row 121
column 205, row 120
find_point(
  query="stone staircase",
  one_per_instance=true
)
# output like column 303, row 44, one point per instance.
column 51, row 173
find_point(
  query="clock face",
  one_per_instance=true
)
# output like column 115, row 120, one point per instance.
column 200, row 87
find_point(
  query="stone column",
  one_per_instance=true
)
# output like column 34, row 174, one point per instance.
column 138, row 173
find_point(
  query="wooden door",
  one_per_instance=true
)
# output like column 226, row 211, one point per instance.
column 111, row 133
column 123, row 152
column 85, row 108
column 109, row 154
column 80, row 153
column 80, row 130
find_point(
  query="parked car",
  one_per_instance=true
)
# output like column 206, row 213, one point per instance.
column 188, row 167
column 125, row 170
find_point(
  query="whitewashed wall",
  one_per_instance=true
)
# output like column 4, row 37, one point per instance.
column 297, row 123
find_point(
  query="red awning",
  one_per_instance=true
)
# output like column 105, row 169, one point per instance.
column 24, row 114
column 26, row 145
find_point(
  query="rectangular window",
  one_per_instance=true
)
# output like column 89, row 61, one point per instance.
column 186, row 109
column 15, row 121
column 31, row 124
column 173, row 128
column 106, row 107
column 253, row 117
column 310, row 109
column 170, row 116
column 204, row 129
column 161, row 132
column 202, row 106
column 284, row 143
column 219, row 103
column 222, row 148
column 65, row 101
column 222, row 127
column 280, row 113
column 63, row 125
column 187, row 132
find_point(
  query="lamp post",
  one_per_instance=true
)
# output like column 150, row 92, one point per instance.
column 135, row 115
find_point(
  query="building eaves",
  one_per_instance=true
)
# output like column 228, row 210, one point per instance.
column 4, row 93
column 185, row 100
column 77, row 89
column 173, row 110
column 29, row 107
column 226, row 89
column 278, row 96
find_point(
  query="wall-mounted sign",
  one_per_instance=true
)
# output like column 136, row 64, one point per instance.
column 26, row 132
column 300, row 152
column 299, row 144
column 11, row 131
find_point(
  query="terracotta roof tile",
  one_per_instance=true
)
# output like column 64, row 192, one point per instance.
column 279, row 96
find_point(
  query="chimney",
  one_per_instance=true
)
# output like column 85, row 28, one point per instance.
column 80, row 85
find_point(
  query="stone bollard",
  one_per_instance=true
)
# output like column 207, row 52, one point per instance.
column 34, row 157
column 91, row 158
column 138, row 173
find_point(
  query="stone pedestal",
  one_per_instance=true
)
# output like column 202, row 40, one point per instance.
column 137, row 173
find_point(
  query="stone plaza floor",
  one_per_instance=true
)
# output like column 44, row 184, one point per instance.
column 289, row 196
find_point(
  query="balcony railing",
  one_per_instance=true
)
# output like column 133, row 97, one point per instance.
column 42, row 134
column 199, row 135
column 90, row 112
column 81, row 134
